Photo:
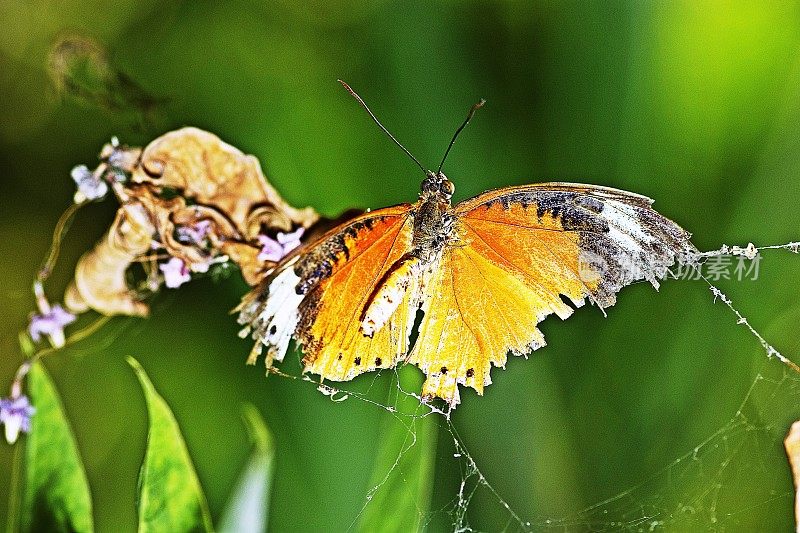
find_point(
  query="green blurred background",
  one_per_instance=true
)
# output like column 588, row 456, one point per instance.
column 695, row 104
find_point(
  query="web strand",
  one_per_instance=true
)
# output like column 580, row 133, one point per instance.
column 750, row 252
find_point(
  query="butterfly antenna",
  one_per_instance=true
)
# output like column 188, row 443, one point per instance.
column 381, row 126
column 455, row 135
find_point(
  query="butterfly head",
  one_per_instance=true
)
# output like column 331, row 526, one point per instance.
column 437, row 185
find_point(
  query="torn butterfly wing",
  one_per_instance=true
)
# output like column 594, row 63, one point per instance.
column 519, row 250
column 317, row 295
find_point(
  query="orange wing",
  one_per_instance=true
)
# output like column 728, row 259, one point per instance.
column 519, row 250
column 317, row 296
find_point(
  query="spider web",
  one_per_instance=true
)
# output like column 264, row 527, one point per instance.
column 714, row 485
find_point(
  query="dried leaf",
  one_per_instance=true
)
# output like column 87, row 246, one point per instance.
column 100, row 282
column 182, row 181
column 792, row 444
column 214, row 173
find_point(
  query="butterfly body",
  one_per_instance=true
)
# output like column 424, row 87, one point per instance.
column 433, row 217
column 433, row 228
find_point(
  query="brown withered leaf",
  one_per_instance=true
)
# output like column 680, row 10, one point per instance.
column 792, row 445
column 99, row 281
column 201, row 167
column 183, row 179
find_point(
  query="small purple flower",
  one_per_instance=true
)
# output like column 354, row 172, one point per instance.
column 176, row 273
column 90, row 187
column 51, row 324
column 195, row 233
column 276, row 249
column 116, row 158
column 16, row 414
column 290, row 241
column 271, row 250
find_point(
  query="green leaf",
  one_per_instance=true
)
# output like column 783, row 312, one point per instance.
column 56, row 494
column 170, row 496
column 404, row 465
column 247, row 508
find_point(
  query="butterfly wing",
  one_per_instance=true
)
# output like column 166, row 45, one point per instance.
column 521, row 249
column 317, row 296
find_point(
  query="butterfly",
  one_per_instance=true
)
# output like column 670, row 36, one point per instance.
column 484, row 273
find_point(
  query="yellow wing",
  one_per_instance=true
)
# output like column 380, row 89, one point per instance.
column 317, row 295
column 518, row 251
